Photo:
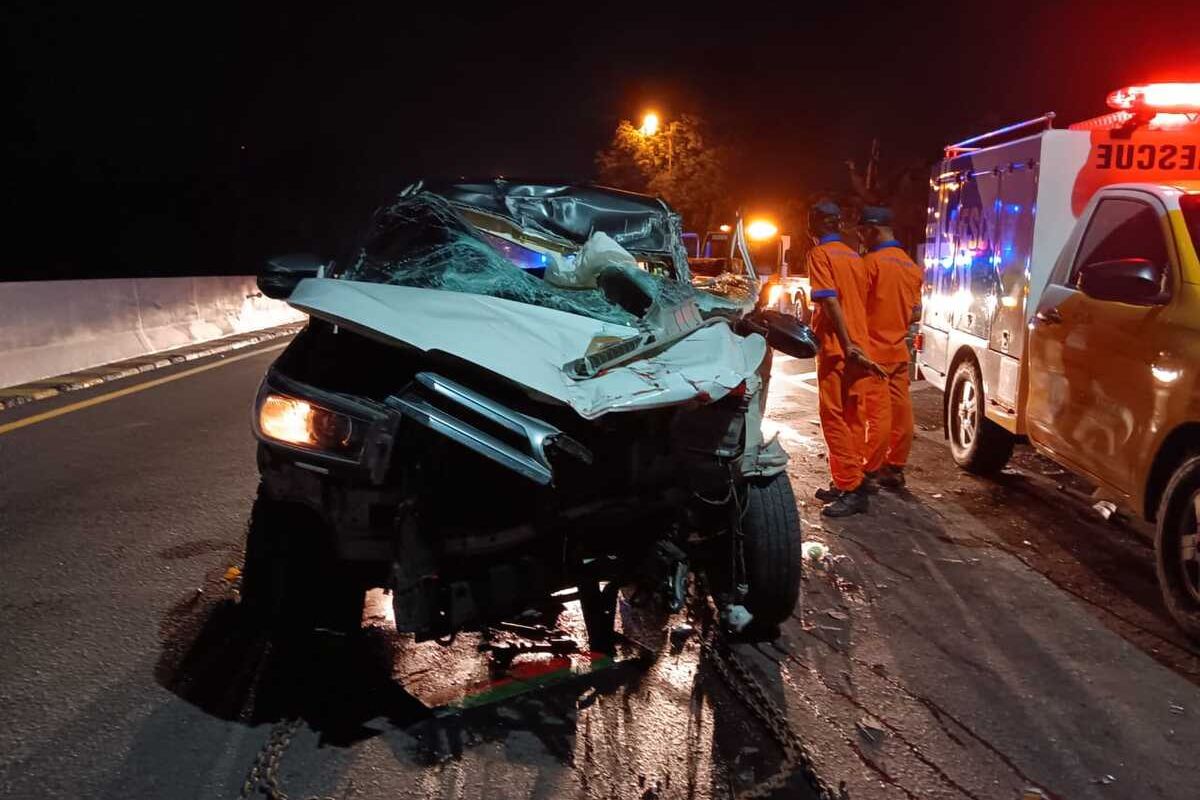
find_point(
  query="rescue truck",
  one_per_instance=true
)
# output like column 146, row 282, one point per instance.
column 1062, row 306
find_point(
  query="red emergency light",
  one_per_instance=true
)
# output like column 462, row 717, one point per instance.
column 1171, row 98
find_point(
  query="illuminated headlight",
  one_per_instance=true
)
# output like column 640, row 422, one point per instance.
column 774, row 293
column 300, row 423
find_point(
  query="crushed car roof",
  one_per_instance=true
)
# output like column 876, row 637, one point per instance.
column 573, row 212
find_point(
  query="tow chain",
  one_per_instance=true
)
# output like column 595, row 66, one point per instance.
column 751, row 693
column 264, row 775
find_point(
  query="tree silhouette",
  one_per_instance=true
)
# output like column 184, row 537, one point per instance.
column 676, row 164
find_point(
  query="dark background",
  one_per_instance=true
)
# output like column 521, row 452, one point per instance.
column 196, row 139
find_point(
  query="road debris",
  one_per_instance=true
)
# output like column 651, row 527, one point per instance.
column 1033, row 793
column 737, row 617
column 1106, row 780
column 937, row 496
column 870, row 729
column 1106, row 509
column 814, row 550
column 838, row 615
column 681, row 633
column 1177, row 710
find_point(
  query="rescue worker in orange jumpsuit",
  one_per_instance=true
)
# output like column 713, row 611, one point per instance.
column 893, row 303
column 839, row 292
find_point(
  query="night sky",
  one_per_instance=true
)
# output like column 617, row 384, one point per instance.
column 196, row 139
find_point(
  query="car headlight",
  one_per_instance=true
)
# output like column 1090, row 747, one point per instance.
column 299, row 422
column 774, row 294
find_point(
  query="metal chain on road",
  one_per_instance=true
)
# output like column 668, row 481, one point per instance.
column 264, row 775
column 747, row 688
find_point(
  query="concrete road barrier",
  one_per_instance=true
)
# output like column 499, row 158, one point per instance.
column 51, row 328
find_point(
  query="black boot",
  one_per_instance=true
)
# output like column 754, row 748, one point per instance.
column 828, row 495
column 891, row 478
column 849, row 504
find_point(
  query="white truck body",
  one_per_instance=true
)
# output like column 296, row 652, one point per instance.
column 999, row 218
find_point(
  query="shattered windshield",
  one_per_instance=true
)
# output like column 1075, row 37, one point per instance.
column 420, row 240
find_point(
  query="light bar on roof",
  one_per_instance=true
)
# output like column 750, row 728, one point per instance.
column 1178, row 98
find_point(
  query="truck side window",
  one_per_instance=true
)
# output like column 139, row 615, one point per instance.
column 1119, row 229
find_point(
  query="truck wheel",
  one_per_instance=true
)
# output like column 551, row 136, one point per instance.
column 771, row 548
column 290, row 581
column 977, row 444
column 1175, row 546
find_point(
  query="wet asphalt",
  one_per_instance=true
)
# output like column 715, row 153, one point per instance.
column 931, row 659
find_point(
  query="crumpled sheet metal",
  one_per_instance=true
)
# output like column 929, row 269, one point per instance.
column 571, row 212
column 741, row 290
column 760, row 458
column 529, row 344
column 421, row 240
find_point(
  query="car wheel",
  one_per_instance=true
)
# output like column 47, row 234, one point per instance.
column 771, row 548
column 977, row 444
column 290, row 580
column 1175, row 546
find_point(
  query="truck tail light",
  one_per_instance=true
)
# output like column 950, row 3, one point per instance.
column 919, row 342
column 1176, row 98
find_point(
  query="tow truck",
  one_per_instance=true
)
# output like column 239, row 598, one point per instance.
column 1062, row 306
column 760, row 251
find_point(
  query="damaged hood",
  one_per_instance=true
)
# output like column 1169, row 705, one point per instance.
column 529, row 344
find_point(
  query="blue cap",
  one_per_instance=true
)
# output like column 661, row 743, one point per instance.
column 876, row 215
column 827, row 208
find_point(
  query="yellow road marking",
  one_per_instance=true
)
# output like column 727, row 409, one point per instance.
column 104, row 398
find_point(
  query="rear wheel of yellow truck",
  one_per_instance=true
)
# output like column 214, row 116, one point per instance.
column 1175, row 546
column 977, row 444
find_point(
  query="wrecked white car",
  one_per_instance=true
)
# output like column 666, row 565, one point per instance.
column 509, row 391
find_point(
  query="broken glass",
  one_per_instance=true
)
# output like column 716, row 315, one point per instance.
column 421, row 240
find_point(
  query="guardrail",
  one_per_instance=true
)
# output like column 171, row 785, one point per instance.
column 50, row 328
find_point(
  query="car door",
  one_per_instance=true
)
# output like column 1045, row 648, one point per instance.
column 1091, row 398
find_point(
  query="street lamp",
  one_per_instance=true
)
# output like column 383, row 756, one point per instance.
column 760, row 230
column 650, row 125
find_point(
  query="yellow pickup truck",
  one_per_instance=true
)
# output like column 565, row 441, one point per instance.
column 1063, row 305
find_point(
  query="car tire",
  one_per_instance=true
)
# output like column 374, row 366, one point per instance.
column 977, row 444
column 771, row 549
column 1175, row 546
column 291, row 581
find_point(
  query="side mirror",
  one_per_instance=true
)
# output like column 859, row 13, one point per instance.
column 1136, row 281
column 280, row 275
column 787, row 334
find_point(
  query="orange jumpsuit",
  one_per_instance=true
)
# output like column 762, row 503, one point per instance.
column 894, row 289
column 837, row 271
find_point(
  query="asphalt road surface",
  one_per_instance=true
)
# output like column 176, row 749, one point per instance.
column 967, row 639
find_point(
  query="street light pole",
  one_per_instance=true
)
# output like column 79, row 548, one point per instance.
column 650, row 126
